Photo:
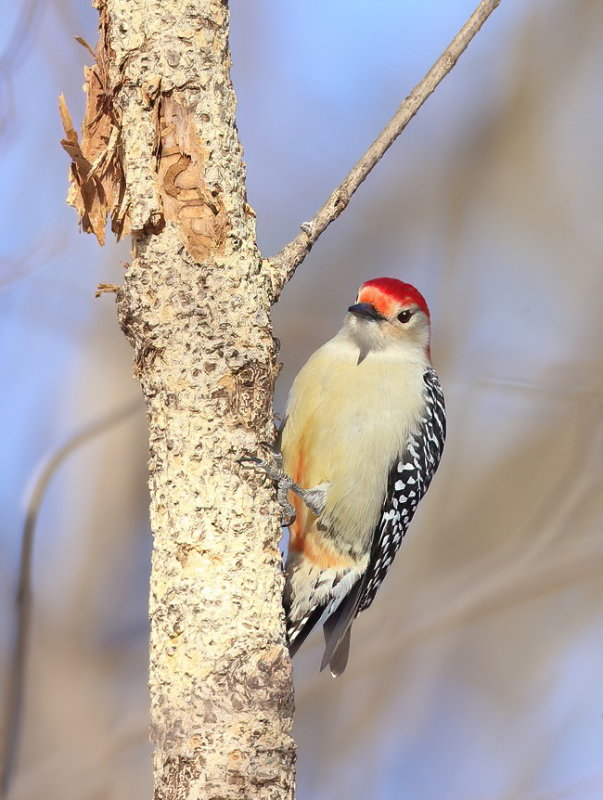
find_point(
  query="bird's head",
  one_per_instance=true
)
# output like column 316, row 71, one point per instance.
column 389, row 314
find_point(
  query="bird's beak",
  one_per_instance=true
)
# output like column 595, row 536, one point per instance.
column 366, row 310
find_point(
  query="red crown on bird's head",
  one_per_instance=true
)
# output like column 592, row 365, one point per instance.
column 386, row 293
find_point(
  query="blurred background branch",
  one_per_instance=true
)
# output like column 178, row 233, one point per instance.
column 14, row 689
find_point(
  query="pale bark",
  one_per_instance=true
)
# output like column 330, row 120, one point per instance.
column 195, row 306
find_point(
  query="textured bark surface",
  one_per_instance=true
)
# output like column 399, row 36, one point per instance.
column 195, row 306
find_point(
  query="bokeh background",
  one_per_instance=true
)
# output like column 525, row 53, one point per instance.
column 476, row 674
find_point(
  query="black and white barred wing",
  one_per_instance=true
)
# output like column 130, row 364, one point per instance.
column 409, row 479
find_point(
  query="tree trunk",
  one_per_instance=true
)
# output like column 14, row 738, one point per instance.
column 161, row 155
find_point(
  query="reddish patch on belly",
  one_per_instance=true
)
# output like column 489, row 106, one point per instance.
column 304, row 536
column 322, row 553
column 296, row 529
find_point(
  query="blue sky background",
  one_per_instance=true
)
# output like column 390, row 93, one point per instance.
column 476, row 675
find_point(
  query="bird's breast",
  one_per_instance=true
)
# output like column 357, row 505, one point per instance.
column 347, row 422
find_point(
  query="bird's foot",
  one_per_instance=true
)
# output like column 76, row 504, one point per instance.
column 314, row 498
column 274, row 470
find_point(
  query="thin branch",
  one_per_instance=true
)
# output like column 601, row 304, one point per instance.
column 291, row 256
column 16, row 676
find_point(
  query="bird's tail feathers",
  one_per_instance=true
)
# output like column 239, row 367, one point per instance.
column 337, row 631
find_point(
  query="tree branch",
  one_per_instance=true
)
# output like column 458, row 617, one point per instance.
column 291, row 256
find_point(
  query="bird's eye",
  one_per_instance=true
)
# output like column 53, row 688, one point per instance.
column 404, row 316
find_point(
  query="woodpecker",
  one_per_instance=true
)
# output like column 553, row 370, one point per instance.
column 362, row 438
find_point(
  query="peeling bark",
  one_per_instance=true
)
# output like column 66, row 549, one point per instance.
column 98, row 186
column 160, row 150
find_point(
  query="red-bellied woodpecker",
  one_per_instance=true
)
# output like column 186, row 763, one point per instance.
column 362, row 439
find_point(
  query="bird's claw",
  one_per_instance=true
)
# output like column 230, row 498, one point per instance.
column 283, row 482
column 273, row 470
